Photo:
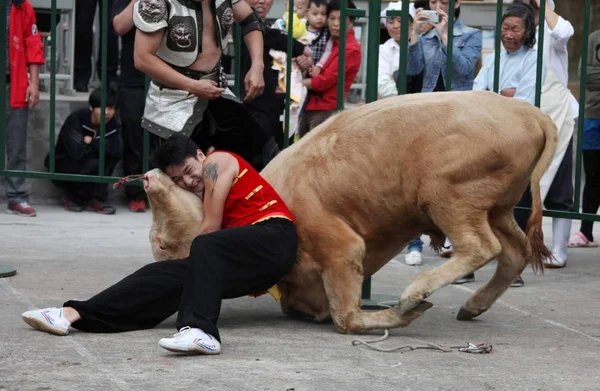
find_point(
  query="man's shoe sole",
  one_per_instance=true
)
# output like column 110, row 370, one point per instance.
column 195, row 350
column 14, row 212
column 40, row 325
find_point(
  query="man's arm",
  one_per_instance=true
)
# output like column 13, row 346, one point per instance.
column 385, row 83
column 253, row 37
column 218, row 172
column 123, row 16
column 527, row 85
column 463, row 61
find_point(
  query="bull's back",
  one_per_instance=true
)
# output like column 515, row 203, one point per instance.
column 370, row 162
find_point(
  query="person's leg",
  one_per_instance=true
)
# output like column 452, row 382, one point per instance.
column 560, row 197
column 85, row 10
column 16, row 159
column 319, row 117
column 131, row 109
column 226, row 264
column 591, row 193
column 140, row 301
column 97, row 193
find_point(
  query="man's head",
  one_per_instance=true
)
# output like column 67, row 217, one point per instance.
column 317, row 13
column 182, row 160
column 262, row 7
column 333, row 17
column 444, row 5
column 95, row 105
column 518, row 27
column 393, row 24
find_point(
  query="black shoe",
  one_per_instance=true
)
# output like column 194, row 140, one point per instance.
column 465, row 279
column 81, row 87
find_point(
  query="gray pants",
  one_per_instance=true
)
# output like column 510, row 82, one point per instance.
column 16, row 150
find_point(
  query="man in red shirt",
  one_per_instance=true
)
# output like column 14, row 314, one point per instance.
column 322, row 101
column 247, row 243
column 25, row 53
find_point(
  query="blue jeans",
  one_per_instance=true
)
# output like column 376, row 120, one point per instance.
column 16, row 150
column 416, row 244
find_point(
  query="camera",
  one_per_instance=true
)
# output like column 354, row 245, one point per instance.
column 432, row 16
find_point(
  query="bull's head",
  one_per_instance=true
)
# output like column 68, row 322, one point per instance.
column 176, row 216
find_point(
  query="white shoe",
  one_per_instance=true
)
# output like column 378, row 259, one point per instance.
column 50, row 320
column 413, row 258
column 189, row 340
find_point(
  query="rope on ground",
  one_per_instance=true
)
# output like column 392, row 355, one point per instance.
column 470, row 348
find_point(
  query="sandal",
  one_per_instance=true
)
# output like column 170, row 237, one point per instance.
column 579, row 240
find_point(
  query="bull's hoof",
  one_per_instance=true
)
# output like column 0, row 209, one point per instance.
column 465, row 314
column 410, row 303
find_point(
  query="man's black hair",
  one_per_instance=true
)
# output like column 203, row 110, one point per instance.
column 422, row 4
column 111, row 98
column 318, row 3
column 336, row 5
column 525, row 12
column 174, row 151
column 532, row 3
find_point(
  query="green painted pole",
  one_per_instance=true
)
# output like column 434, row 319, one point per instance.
column 52, row 125
column 342, row 55
column 540, row 54
column 146, row 139
column 3, row 102
column 450, row 47
column 497, row 41
column 403, row 65
column 288, row 73
column 104, row 48
column 373, row 50
column 582, row 90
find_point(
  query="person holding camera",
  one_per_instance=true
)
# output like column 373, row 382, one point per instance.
column 430, row 53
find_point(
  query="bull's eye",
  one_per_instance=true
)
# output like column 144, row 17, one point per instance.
column 161, row 246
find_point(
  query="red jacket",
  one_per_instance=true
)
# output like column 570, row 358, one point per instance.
column 25, row 47
column 324, row 86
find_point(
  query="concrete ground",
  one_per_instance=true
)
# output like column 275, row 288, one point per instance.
column 545, row 336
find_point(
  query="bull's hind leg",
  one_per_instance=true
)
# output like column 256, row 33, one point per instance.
column 342, row 252
column 474, row 245
column 511, row 262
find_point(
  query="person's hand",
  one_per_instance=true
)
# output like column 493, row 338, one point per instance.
column 254, row 83
column 508, row 92
column 205, row 89
column 304, row 62
column 315, row 71
column 420, row 21
column 87, row 139
column 442, row 25
column 32, row 95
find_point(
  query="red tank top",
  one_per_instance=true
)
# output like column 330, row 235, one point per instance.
column 251, row 199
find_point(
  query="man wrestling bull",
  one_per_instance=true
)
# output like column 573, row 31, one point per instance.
column 179, row 45
column 247, row 242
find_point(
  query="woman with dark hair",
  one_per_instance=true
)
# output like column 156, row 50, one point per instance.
column 518, row 59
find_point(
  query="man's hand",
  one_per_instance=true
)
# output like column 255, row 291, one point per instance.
column 420, row 21
column 304, row 62
column 87, row 139
column 254, row 83
column 32, row 95
column 508, row 92
column 205, row 89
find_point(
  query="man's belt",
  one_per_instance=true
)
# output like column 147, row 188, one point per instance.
column 213, row 75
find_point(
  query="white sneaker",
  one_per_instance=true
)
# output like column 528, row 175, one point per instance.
column 413, row 258
column 50, row 320
column 189, row 340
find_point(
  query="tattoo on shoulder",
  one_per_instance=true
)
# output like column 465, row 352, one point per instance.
column 211, row 172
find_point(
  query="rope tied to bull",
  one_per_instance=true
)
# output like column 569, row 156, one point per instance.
column 129, row 178
column 470, row 348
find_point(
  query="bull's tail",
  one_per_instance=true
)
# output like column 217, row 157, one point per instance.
column 534, row 233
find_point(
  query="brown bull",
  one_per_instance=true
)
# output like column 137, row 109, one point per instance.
column 369, row 180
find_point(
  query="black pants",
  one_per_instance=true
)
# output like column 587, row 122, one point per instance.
column 131, row 109
column 560, row 193
column 230, row 126
column 268, row 114
column 591, row 189
column 224, row 264
column 82, row 192
column 85, row 11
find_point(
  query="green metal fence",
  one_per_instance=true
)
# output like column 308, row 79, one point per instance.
column 373, row 28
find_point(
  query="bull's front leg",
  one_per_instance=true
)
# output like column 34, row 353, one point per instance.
column 341, row 258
